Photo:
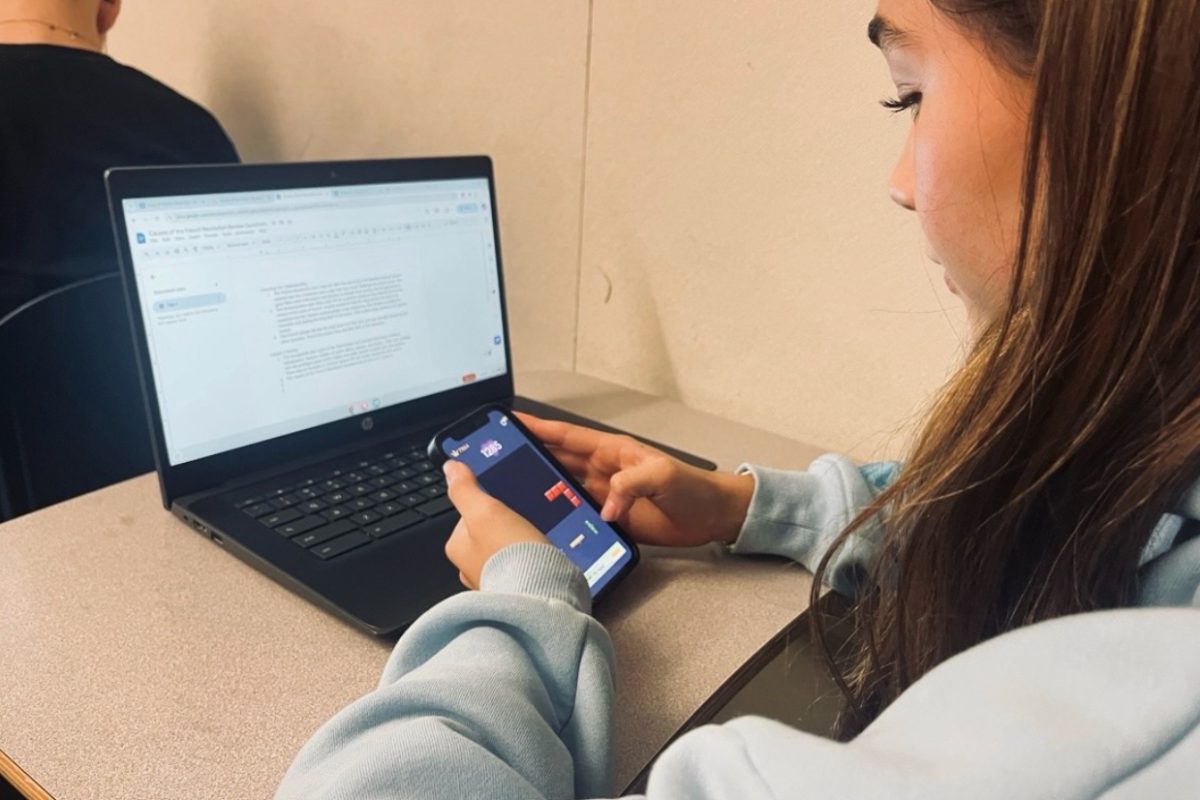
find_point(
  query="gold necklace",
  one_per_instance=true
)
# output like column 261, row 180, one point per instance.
column 75, row 35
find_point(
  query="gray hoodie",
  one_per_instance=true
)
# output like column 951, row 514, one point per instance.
column 507, row 692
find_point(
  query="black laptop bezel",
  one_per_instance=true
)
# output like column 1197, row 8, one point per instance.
column 207, row 473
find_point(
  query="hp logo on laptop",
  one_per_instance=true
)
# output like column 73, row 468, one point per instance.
column 368, row 423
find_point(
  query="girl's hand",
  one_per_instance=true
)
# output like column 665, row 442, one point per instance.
column 658, row 499
column 487, row 525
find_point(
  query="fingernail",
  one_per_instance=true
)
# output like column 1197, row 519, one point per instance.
column 606, row 513
column 451, row 469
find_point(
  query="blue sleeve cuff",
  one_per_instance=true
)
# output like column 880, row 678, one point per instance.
column 799, row 515
column 778, row 521
column 538, row 569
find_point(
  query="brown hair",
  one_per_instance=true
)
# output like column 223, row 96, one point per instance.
column 1048, row 459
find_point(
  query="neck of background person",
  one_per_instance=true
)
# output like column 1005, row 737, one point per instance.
column 63, row 23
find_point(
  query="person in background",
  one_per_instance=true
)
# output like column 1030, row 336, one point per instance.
column 1027, row 583
column 68, row 112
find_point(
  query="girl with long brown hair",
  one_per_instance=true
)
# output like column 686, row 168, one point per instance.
column 1053, row 163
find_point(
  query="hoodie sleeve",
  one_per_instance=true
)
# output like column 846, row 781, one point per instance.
column 502, row 693
column 798, row 514
column 1102, row 705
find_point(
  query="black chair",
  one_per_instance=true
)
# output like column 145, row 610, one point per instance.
column 72, row 416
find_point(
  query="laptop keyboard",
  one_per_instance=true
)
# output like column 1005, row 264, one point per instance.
column 335, row 511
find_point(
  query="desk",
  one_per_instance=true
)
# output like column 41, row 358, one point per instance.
column 138, row 660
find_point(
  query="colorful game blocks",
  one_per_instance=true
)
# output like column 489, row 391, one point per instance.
column 562, row 489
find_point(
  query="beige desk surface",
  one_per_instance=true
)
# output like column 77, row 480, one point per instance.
column 138, row 660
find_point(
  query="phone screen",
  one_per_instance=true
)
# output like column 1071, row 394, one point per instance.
column 511, row 469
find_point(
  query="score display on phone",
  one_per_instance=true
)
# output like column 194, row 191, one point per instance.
column 511, row 468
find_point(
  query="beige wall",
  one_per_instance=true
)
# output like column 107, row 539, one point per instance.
column 737, row 249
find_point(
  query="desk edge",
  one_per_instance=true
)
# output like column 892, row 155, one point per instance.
column 20, row 780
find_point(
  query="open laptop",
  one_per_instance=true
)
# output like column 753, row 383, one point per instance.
column 301, row 331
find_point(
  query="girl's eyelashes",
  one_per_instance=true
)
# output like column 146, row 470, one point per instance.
column 903, row 103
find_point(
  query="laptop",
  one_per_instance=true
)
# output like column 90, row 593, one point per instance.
column 301, row 331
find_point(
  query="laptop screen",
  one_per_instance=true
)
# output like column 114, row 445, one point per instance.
column 268, row 313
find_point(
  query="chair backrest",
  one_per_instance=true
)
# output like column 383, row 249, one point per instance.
column 72, row 417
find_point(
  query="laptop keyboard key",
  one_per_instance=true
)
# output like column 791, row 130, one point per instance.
column 336, row 498
column 338, row 512
column 433, row 491
column 366, row 517
column 414, row 499
column 435, row 507
column 359, row 489
column 280, row 517
column 285, row 501
column 313, row 506
column 427, row 479
column 388, row 509
column 342, row 544
column 302, row 525
column 361, row 503
column 393, row 524
column 326, row 532
column 259, row 509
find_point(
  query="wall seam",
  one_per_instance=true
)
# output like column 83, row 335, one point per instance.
column 587, row 103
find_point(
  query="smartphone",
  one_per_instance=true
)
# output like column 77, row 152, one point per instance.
column 512, row 466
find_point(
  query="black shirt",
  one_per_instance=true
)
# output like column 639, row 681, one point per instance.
column 66, row 115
